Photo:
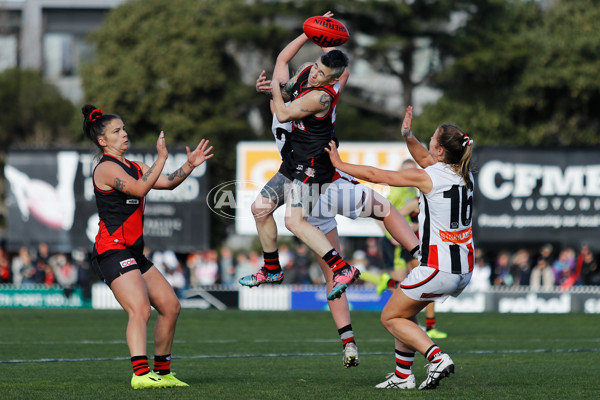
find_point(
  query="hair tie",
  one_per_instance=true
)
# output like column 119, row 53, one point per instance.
column 98, row 114
column 467, row 141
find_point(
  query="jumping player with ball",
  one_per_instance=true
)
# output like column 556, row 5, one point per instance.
column 343, row 196
column 308, row 101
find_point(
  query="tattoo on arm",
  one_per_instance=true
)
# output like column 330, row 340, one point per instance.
column 177, row 174
column 324, row 101
column 147, row 174
column 120, row 186
column 286, row 91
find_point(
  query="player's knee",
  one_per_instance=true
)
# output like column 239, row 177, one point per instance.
column 261, row 208
column 294, row 223
column 141, row 312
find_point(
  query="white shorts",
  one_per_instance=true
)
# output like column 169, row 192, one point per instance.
column 344, row 196
column 430, row 284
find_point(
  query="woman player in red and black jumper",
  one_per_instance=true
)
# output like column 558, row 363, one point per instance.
column 120, row 187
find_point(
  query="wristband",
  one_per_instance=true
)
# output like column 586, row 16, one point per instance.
column 406, row 133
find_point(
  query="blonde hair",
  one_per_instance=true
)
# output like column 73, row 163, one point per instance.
column 457, row 150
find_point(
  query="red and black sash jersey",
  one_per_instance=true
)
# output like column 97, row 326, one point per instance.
column 121, row 216
column 308, row 161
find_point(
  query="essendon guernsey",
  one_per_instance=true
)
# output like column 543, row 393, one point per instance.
column 121, row 216
column 308, row 161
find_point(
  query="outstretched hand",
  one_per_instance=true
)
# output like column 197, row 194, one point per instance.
column 263, row 85
column 407, row 122
column 161, row 146
column 200, row 153
column 334, row 156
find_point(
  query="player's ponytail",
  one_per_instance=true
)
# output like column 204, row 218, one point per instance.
column 458, row 150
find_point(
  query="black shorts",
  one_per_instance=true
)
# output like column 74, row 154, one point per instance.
column 114, row 263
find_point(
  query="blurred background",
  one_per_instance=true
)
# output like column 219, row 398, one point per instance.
column 520, row 76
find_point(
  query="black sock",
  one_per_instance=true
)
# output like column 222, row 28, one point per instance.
column 162, row 364
column 333, row 259
column 140, row 365
column 272, row 261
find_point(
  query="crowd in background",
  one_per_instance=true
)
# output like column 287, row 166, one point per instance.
column 540, row 269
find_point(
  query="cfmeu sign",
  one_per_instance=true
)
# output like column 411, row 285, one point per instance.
column 527, row 194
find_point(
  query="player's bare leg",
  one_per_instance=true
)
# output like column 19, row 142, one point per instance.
column 340, row 310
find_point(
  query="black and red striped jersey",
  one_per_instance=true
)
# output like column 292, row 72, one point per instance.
column 308, row 161
column 121, row 216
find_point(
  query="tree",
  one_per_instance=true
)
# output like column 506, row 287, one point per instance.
column 187, row 67
column 559, row 93
column 33, row 110
column 522, row 73
column 173, row 65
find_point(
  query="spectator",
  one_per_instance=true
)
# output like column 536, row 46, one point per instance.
column 360, row 260
column 482, row 273
column 23, row 268
column 521, row 268
column 542, row 276
column 589, row 272
column 226, row 266
column 42, row 265
column 176, row 278
column 564, row 266
column 286, row 256
column 374, row 256
column 301, row 265
column 66, row 274
column 207, row 271
column 80, row 260
column 193, row 262
column 5, row 273
column 503, row 277
column 244, row 266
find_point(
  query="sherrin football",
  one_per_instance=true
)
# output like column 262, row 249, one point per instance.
column 325, row 32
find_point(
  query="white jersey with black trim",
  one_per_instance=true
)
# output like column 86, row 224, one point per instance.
column 445, row 216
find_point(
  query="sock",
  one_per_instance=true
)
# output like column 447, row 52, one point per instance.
column 333, row 259
column 162, row 364
column 404, row 363
column 346, row 335
column 430, row 323
column 432, row 353
column 392, row 284
column 272, row 261
column 140, row 365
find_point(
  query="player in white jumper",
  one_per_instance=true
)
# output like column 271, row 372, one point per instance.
column 446, row 263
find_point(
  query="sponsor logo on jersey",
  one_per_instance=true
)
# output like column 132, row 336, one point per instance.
column 128, row 263
column 132, row 201
column 457, row 237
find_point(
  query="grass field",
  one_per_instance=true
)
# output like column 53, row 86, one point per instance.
column 81, row 354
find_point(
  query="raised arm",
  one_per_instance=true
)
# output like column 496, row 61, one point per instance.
column 417, row 150
column 409, row 177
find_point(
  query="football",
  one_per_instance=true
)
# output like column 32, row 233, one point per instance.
column 325, row 32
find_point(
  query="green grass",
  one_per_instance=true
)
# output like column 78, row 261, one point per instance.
column 81, row 354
